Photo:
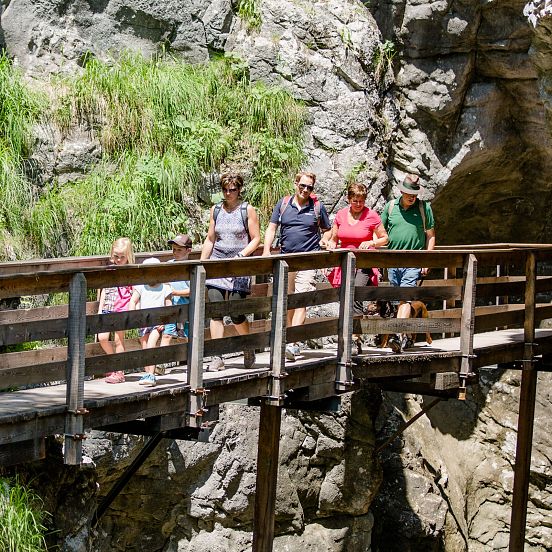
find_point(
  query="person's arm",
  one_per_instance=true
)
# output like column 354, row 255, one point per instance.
column 180, row 292
column 430, row 246
column 381, row 237
column 134, row 300
column 254, row 232
column 102, row 301
column 269, row 238
column 209, row 242
column 329, row 239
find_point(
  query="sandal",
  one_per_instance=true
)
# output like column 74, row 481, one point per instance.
column 115, row 377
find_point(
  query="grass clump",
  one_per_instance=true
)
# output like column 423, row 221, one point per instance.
column 382, row 59
column 19, row 111
column 250, row 12
column 21, row 518
column 164, row 126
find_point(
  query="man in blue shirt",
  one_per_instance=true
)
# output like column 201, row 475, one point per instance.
column 301, row 218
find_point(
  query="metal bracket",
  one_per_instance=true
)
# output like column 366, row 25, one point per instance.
column 469, row 356
column 76, row 436
column 346, row 364
column 79, row 411
column 347, row 383
column 280, row 376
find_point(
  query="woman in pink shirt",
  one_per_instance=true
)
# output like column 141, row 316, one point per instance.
column 357, row 227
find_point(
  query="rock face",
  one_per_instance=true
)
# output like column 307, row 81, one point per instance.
column 200, row 496
column 460, row 94
column 472, row 117
column 448, row 481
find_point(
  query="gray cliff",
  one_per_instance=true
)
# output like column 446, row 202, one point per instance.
column 458, row 92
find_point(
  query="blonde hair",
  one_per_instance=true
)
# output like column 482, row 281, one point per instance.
column 123, row 244
column 310, row 175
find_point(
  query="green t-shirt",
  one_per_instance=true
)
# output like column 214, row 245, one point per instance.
column 406, row 226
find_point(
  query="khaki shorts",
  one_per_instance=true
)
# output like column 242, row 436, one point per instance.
column 302, row 281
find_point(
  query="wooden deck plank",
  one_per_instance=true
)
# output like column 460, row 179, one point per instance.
column 485, row 346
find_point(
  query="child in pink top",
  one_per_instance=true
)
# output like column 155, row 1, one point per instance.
column 116, row 299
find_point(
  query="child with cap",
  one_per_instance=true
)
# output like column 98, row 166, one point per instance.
column 180, row 291
column 148, row 296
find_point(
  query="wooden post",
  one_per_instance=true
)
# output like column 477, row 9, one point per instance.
column 344, row 372
column 270, row 418
column 196, row 338
column 278, row 333
column 267, row 477
column 467, row 322
column 526, row 416
column 76, row 332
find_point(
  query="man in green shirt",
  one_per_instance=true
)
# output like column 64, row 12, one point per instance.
column 410, row 225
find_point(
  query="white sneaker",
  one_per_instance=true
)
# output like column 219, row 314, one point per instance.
column 292, row 352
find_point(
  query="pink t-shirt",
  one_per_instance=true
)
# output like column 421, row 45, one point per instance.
column 352, row 235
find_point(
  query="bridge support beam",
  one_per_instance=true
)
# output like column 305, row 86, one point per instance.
column 270, row 418
column 526, row 416
column 267, row 477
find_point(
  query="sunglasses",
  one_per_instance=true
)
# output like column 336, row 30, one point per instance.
column 229, row 190
column 307, row 187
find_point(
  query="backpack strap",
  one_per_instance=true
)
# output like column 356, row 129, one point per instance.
column 316, row 210
column 243, row 211
column 216, row 211
column 283, row 206
column 421, row 206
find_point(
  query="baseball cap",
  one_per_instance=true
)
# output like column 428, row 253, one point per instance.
column 182, row 239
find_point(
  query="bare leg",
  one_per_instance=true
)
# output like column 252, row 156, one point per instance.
column 151, row 343
column 107, row 346
column 217, row 329
column 120, row 341
column 291, row 289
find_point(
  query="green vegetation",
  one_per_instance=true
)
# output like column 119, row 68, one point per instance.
column 21, row 518
column 382, row 59
column 19, row 110
column 163, row 126
column 250, row 12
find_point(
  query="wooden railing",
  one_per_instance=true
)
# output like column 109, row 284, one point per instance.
column 77, row 322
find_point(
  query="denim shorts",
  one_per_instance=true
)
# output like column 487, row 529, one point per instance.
column 404, row 277
column 172, row 330
column 145, row 331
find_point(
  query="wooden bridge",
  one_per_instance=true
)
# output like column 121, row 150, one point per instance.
column 486, row 311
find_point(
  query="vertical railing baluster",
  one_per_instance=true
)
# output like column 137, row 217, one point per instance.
column 76, row 353
column 344, row 372
column 196, row 342
column 278, row 331
column 467, row 322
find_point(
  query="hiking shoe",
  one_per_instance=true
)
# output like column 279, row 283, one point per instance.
column 160, row 369
column 394, row 343
column 216, row 364
column 292, row 352
column 357, row 344
column 115, row 377
column 148, row 380
column 406, row 343
column 248, row 358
